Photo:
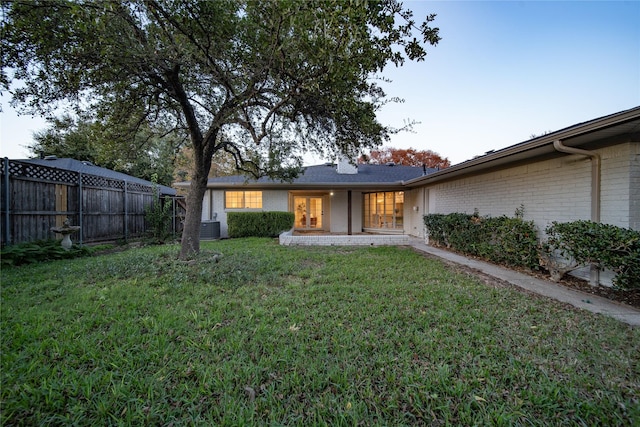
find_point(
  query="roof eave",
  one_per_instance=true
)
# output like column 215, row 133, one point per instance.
column 300, row 186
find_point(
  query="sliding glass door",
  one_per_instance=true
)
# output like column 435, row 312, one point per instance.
column 384, row 210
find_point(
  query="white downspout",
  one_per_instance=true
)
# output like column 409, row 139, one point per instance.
column 425, row 211
column 595, row 189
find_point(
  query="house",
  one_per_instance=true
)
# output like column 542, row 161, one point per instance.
column 587, row 171
column 333, row 198
column 590, row 170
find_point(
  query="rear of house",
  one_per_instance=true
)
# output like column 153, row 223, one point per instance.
column 587, row 171
column 330, row 198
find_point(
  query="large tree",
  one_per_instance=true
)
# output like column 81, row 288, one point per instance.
column 264, row 81
column 405, row 156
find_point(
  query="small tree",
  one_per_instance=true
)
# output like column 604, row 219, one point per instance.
column 581, row 243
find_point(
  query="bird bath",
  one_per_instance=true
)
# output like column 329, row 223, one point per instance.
column 66, row 230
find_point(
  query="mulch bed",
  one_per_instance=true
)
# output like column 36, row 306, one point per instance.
column 630, row 297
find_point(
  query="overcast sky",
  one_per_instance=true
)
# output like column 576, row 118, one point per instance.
column 502, row 72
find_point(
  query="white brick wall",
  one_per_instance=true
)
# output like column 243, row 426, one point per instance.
column 338, row 212
column 551, row 190
column 414, row 223
column 634, row 185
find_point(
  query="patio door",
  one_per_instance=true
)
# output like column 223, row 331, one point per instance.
column 308, row 212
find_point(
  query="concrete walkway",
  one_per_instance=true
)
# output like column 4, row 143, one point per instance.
column 593, row 303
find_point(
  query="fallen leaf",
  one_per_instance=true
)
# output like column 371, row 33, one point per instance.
column 294, row 327
column 479, row 399
column 251, row 393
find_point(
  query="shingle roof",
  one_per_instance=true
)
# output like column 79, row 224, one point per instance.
column 91, row 169
column 328, row 174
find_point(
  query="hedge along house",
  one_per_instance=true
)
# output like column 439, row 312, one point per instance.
column 331, row 198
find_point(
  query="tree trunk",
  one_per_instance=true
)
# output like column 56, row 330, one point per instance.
column 192, row 220
column 193, row 217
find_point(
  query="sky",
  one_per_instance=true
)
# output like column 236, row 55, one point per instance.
column 503, row 71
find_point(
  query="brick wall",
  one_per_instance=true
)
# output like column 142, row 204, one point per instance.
column 556, row 189
column 634, row 185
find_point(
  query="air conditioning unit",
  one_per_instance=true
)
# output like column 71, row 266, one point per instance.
column 209, row 230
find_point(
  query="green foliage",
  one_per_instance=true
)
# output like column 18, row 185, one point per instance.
column 263, row 81
column 159, row 216
column 504, row 240
column 293, row 336
column 106, row 145
column 45, row 250
column 259, row 224
column 604, row 245
column 305, row 69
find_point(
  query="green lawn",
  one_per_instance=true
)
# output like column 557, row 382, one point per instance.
column 300, row 336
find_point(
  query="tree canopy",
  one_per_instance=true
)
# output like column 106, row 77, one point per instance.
column 263, row 81
column 406, row 157
column 146, row 155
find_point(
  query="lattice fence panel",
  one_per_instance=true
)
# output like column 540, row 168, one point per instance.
column 41, row 173
column 141, row 188
column 102, row 182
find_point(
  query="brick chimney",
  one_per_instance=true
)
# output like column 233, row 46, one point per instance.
column 345, row 167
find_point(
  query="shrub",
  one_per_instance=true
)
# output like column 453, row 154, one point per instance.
column 504, row 240
column 604, row 245
column 159, row 216
column 259, row 224
column 44, row 250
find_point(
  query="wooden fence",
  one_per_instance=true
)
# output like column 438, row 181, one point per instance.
column 36, row 198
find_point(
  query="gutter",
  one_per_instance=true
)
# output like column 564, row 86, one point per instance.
column 595, row 189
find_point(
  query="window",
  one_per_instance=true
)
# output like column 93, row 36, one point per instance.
column 243, row 199
column 384, row 210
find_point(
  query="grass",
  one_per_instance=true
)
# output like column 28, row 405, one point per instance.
column 300, row 336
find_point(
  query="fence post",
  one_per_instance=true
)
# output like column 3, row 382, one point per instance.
column 126, row 213
column 7, row 202
column 80, row 208
column 173, row 216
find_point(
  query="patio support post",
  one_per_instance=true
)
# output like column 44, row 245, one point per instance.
column 349, row 230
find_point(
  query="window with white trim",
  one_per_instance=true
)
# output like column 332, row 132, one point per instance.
column 243, row 199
